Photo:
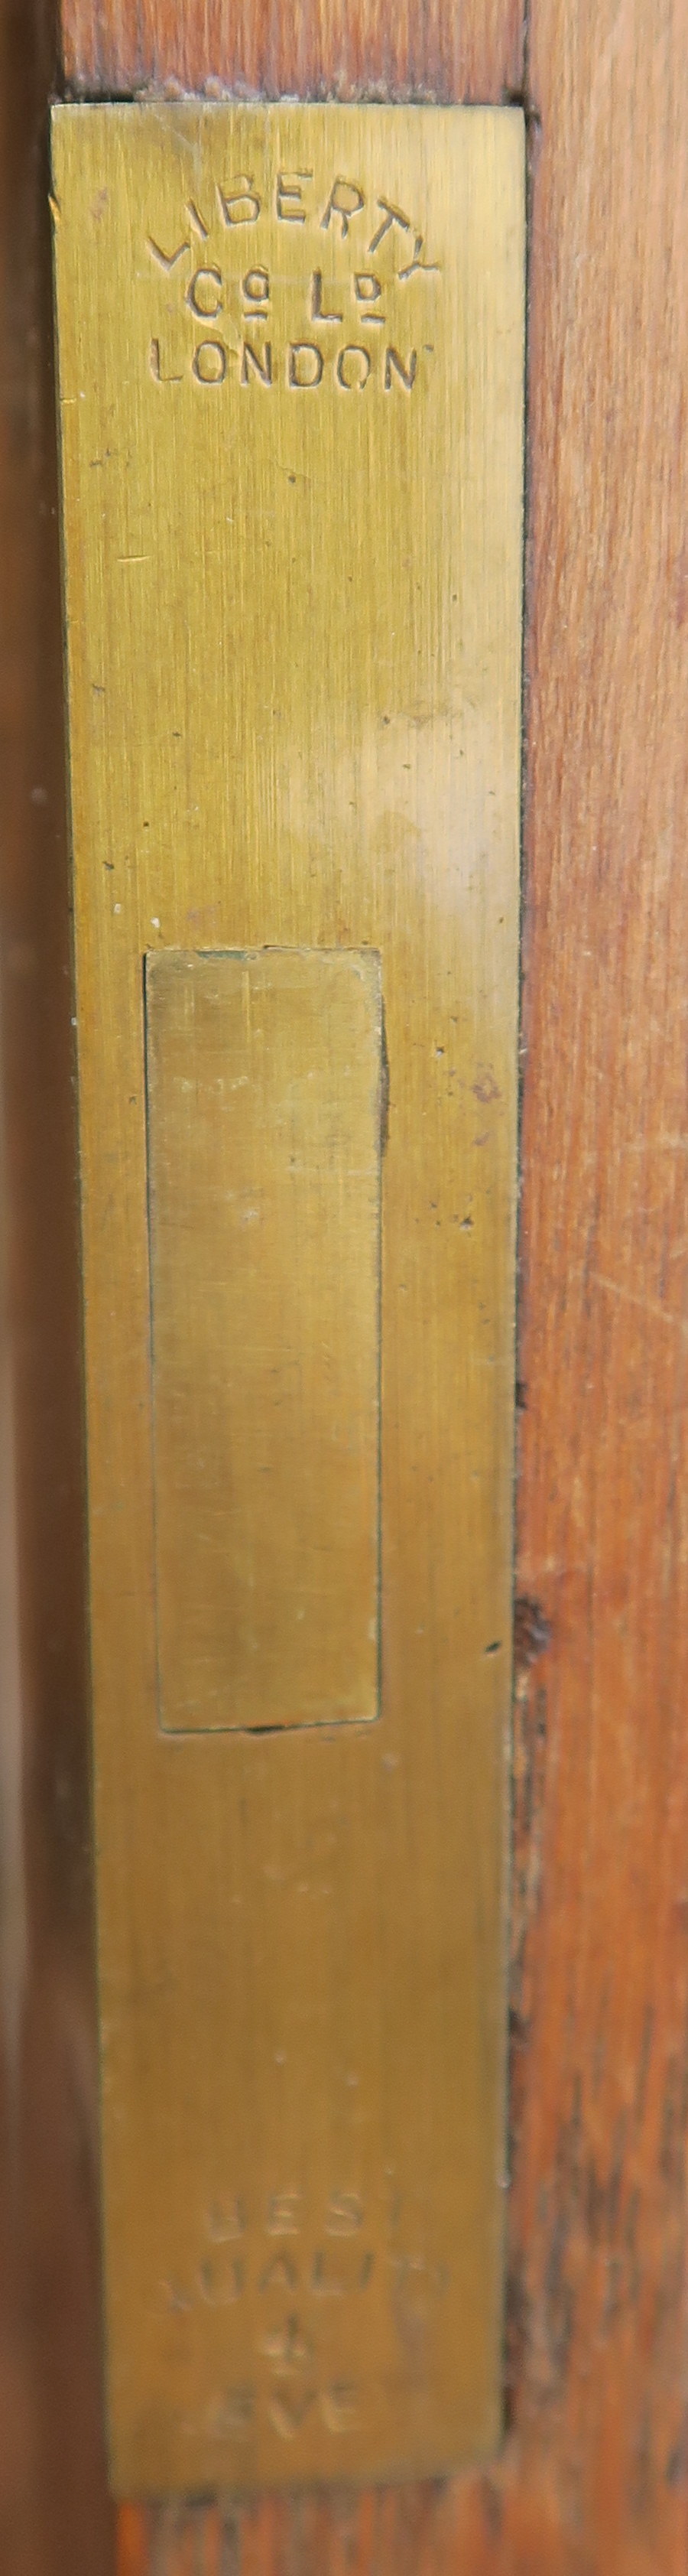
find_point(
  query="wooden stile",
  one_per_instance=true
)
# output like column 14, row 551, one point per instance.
column 323, row 49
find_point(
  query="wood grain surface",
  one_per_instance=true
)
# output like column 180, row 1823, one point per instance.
column 321, row 48
column 54, row 2511
column 594, row 2478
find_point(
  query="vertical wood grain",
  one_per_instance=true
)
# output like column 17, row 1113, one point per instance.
column 472, row 49
column 599, row 2204
column 53, row 2506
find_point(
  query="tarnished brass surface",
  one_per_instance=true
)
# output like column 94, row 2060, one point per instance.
column 264, row 1111
column 291, row 378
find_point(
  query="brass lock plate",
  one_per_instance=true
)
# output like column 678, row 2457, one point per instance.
column 291, row 402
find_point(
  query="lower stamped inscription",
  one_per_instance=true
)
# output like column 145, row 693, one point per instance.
column 283, row 2285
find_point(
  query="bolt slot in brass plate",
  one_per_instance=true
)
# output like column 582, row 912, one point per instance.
column 291, row 399
column 264, row 1086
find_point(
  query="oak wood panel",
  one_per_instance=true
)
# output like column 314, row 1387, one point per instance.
column 595, row 2472
column 54, row 2511
column 470, row 50
column 599, row 2206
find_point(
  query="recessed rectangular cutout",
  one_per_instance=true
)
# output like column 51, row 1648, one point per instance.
column 264, row 1105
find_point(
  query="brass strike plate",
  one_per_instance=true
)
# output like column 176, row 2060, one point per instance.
column 291, row 400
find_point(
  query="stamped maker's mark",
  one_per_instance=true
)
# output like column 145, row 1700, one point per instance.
column 380, row 247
